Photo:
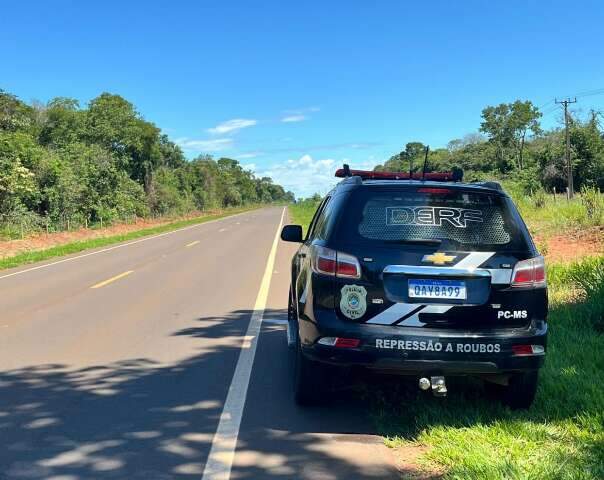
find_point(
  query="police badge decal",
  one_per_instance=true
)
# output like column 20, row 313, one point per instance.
column 353, row 303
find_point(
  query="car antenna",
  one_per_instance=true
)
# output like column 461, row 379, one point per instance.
column 425, row 162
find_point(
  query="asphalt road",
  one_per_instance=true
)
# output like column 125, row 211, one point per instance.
column 142, row 361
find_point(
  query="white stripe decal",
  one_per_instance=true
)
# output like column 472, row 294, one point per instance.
column 395, row 312
column 473, row 260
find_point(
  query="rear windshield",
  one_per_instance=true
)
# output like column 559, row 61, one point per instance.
column 456, row 218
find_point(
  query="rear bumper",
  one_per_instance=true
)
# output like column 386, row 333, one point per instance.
column 414, row 350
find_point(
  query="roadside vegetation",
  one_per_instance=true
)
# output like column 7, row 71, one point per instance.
column 64, row 167
column 103, row 241
column 302, row 211
column 511, row 145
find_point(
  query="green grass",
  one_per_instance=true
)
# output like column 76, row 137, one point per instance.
column 560, row 437
column 75, row 247
column 302, row 212
column 547, row 216
column 553, row 217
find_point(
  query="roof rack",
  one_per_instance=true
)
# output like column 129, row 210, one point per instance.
column 455, row 175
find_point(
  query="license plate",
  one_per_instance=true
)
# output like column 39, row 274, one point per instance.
column 450, row 289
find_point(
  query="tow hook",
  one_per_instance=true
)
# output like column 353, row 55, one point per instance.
column 439, row 388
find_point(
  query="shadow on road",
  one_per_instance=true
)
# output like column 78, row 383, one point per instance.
column 138, row 419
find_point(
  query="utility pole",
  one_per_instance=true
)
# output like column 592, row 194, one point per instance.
column 569, row 168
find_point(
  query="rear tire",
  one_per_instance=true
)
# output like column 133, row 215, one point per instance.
column 309, row 379
column 520, row 391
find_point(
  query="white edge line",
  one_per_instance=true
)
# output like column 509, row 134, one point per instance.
column 119, row 246
column 222, row 453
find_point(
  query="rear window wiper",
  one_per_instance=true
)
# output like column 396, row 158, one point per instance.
column 418, row 241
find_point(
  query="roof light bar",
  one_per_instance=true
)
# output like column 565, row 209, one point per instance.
column 452, row 176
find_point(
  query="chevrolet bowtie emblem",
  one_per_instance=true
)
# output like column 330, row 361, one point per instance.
column 439, row 258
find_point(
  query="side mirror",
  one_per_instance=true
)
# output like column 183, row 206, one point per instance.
column 292, row 233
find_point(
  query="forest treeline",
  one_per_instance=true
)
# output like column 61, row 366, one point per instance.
column 511, row 145
column 59, row 160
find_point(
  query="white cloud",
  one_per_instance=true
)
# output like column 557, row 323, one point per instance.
column 232, row 126
column 214, row 145
column 293, row 118
column 249, row 155
column 306, row 176
column 298, row 115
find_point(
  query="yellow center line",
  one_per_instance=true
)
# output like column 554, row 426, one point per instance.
column 192, row 243
column 112, row 279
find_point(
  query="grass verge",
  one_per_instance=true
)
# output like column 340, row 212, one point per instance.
column 75, row 247
column 549, row 216
column 302, row 212
column 560, row 437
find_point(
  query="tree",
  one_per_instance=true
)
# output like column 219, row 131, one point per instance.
column 14, row 114
column 20, row 160
column 401, row 162
column 114, row 123
column 171, row 154
column 508, row 124
column 588, row 152
column 64, row 123
column 106, row 161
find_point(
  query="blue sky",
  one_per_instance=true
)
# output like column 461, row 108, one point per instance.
column 293, row 89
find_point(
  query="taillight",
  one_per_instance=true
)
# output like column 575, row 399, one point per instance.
column 339, row 342
column 347, row 266
column 329, row 262
column 323, row 260
column 529, row 273
column 326, row 265
column 528, row 350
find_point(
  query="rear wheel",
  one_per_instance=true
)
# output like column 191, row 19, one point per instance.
column 520, row 391
column 309, row 379
column 308, row 376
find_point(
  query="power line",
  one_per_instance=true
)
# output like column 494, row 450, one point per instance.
column 550, row 110
column 590, row 93
column 569, row 167
column 545, row 104
column 582, row 94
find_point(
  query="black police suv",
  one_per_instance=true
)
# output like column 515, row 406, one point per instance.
column 428, row 277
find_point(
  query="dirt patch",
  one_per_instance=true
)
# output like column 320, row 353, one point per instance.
column 407, row 462
column 42, row 241
column 572, row 245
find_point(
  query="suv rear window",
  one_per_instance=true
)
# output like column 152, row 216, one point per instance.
column 459, row 218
